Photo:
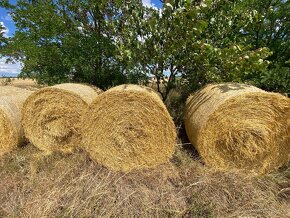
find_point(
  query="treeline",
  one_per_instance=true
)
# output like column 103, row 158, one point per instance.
column 184, row 45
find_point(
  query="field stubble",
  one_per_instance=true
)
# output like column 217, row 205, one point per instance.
column 33, row 185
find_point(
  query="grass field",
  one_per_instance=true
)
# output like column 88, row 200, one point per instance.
column 21, row 83
column 33, row 185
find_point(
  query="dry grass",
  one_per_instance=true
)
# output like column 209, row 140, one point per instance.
column 20, row 83
column 236, row 126
column 128, row 127
column 33, row 185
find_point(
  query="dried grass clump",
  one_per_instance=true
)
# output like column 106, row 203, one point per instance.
column 235, row 126
column 128, row 127
column 11, row 101
column 52, row 115
column 72, row 186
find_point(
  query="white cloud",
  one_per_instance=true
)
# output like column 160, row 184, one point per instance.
column 14, row 68
column 6, row 30
column 148, row 3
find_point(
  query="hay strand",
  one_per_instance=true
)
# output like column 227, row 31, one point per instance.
column 236, row 126
column 11, row 132
column 52, row 115
column 128, row 127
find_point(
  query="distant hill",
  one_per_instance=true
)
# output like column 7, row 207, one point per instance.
column 9, row 74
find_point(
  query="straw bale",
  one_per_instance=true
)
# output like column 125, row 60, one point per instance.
column 11, row 132
column 128, row 127
column 237, row 126
column 52, row 116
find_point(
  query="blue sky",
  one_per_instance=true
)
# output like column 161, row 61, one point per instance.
column 7, row 22
column 155, row 3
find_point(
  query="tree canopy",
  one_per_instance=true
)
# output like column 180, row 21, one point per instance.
column 2, row 37
column 186, row 44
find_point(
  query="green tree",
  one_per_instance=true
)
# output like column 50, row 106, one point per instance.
column 146, row 48
column 3, row 39
column 231, row 57
column 255, row 25
column 185, row 45
column 60, row 41
column 270, row 27
column 180, row 44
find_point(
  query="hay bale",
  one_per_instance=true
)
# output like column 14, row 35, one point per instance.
column 11, row 132
column 128, row 127
column 235, row 126
column 52, row 115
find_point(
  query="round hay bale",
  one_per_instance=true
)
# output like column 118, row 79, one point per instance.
column 52, row 116
column 236, row 126
column 128, row 127
column 11, row 132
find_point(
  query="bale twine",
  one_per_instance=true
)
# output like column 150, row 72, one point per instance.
column 235, row 126
column 11, row 132
column 128, row 127
column 52, row 116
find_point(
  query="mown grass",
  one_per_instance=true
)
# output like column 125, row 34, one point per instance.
column 35, row 185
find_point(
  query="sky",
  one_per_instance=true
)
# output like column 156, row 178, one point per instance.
column 7, row 22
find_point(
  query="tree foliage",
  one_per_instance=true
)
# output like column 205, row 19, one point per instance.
column 186, row 44
column 3, row 39
column 72, row 40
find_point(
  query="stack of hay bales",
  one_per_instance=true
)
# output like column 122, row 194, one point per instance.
column 52, row 116
column 235, row 126
column 11, row 132
column 128, row 127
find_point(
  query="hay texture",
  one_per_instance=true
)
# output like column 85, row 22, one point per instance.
column 235, row 126
column 11, row 132
column 128, row 127
column 52, row 116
